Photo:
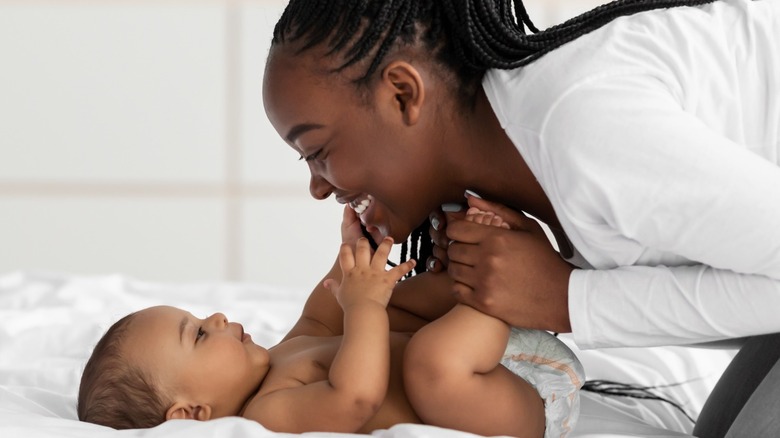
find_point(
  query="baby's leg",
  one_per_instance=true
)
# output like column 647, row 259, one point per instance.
column 453, row 378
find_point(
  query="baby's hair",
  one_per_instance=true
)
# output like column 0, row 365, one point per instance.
column 113, row 391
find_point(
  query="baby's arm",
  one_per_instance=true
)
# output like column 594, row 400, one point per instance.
column 415, row 301
column 361, row 367
column 321, row 315
column 358, row 376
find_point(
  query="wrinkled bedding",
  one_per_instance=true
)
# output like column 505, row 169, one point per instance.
column 49, row 323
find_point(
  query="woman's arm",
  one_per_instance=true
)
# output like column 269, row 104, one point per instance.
column 678, row 215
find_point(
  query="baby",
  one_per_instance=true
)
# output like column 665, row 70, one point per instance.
column 368, row 352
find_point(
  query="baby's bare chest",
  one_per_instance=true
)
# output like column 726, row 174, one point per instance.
column 300, row 361
column 307, row 359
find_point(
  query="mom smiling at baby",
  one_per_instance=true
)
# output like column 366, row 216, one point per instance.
column 655, row 163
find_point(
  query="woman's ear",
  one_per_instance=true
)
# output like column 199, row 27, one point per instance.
column 407, row 87
column 187, row 411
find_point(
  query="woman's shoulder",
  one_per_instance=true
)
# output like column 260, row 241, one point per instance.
column 646, row 45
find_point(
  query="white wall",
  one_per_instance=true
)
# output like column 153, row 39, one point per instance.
column 133, row 140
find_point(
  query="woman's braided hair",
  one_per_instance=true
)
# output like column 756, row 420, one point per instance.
column 466, row 36
column 469, row 36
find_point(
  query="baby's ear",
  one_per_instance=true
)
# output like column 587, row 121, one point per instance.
column 186, row 411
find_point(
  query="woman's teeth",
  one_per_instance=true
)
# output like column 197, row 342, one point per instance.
column 362, row 206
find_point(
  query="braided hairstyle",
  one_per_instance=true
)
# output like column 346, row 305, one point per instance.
column 467, row 37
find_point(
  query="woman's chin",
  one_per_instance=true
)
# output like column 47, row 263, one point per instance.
column 379, row 233
column 375, row 233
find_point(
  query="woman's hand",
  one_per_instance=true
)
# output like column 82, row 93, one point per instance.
column 513, row 274
column 438, row 231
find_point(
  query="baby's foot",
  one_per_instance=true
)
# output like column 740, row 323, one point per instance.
column 486, row 218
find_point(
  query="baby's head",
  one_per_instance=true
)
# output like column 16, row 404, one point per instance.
column 163, row 363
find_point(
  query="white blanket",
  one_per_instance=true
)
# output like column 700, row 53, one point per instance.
column 50, row 322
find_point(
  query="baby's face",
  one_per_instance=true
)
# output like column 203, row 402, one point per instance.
column 202, row 361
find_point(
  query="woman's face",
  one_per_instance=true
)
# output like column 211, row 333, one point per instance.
column 370, row 151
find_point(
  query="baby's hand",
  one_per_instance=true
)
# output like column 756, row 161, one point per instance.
column 350, row 227
column 364, row 277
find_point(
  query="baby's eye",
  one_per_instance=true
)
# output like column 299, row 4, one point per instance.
column 200, row 334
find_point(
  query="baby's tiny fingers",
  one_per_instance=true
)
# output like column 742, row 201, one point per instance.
column 330, row 284
column 346, row 257
column 382, row 253
column 402, row 269
column 362, row 252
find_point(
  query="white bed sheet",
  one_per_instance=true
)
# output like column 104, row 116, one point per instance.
column 50, row 322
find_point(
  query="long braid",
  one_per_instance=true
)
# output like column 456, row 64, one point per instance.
column 469, row 36
column 505, row 44
column 421, row 248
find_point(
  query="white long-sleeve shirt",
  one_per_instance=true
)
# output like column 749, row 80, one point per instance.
column 657, row 140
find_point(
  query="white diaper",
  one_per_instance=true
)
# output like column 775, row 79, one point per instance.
column 551, row 367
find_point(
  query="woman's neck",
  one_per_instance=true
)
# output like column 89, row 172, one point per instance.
column 498, row 172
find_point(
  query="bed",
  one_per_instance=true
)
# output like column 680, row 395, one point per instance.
column 49, row 323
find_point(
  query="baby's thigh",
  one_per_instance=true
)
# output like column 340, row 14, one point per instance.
column 443, row 392
column 453, row 378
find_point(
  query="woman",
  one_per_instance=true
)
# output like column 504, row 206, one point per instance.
column 645, row 134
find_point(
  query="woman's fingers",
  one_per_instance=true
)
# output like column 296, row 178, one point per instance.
column 438, row 228
column 438, row 233
column 463, row 253
column 469, row 232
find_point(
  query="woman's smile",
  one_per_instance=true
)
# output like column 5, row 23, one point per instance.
column 365, row 208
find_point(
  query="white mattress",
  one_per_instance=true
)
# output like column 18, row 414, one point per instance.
column 50, row 322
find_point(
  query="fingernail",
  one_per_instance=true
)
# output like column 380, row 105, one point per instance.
column 431, row 264
column 435, row 223
column 451, row 207
column 471, row 193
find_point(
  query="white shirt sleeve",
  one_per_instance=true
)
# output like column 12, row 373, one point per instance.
column 634, row 175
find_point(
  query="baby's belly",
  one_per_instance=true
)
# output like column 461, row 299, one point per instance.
column 396, row 408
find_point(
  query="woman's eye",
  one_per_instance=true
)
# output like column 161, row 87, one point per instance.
column 311, row 157
column 200, row 334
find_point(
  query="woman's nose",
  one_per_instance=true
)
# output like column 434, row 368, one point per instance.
column 319, row 188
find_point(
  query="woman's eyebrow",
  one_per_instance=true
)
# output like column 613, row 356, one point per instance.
column 298, row 130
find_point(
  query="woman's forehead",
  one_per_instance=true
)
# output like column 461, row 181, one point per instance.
column 295, row 89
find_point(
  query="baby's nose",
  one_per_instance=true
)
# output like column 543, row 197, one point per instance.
column 219, row 319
